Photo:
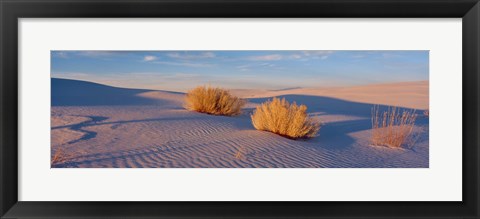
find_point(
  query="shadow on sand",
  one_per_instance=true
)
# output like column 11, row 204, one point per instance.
column 335, row 135
column 328, row 105
column 66, row 92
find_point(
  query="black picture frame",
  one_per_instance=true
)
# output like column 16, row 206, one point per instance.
column 12, row 10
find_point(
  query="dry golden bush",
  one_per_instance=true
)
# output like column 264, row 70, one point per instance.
column 392, row 128
column 213, row 100
column 288, row 120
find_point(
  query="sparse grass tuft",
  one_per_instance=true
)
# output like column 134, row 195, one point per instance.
column 392, row 128
column 288, row 120
column 58, row 157
column 240, row 153
column 213, row 100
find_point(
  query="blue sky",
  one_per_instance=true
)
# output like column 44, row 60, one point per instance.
column 183, row 70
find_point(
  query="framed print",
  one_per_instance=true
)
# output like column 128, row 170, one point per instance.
column 239, row 109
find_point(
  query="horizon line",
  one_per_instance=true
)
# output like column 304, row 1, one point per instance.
column 286, row 88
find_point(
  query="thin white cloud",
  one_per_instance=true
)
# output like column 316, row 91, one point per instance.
column 304, row 55
column 273, row 57
column 149, row 58
column 359, row 56
column 69, row 74
column 87, row 53
column 188, row 64
column 320, row 54
column 60, row 54
column 248, row 67
column 388, row 55
column 295, row 56
column 185, row 55
column 98, row 53
column 243, row 66
column 208, row 55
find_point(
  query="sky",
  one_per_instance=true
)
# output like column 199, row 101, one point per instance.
column 184, row 70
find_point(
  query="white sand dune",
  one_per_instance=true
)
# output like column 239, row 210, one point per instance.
column 404, row 94
column 101, row 126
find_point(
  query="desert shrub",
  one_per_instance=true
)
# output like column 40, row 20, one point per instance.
column 392, row 128
column 288, row 120
column 213, row 100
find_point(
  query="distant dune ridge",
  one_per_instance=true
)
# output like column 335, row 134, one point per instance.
column 146, row 128
column 404, row 94
column 67, row 92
